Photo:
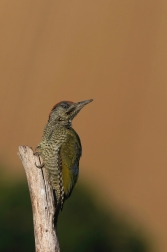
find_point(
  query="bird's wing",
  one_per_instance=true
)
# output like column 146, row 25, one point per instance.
column 70, row 153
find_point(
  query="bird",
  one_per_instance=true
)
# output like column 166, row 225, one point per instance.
column 61, row 149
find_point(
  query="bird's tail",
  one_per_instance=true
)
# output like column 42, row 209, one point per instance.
column 58, row 206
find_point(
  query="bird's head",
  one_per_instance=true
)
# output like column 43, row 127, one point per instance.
column 65, row 111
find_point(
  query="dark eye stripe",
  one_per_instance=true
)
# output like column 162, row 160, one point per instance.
column 65, row 105
column 59, row 103
column 68, row 103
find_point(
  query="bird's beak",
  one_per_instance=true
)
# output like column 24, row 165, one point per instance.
column 74, row 109
column 81, row 104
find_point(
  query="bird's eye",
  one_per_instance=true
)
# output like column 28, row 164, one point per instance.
column 64, row 105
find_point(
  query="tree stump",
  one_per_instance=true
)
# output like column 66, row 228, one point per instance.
column 42, row 200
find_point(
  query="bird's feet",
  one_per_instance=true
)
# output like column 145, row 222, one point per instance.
column 38, row 155
column 39, row 166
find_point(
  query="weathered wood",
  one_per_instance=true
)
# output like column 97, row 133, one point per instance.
column 42, row 202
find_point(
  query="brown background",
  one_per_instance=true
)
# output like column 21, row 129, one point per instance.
column 114, row 52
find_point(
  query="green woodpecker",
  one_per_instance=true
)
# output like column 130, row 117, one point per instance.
column 61, row 149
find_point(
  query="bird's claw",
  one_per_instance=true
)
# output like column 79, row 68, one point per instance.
column 38, row 155
column 39, row 166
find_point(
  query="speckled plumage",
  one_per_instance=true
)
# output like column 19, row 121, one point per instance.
column 61, row 149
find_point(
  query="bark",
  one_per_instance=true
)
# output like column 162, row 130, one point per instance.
column 42, row 200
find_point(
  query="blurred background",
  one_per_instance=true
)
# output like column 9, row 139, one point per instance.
column 116, row 53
